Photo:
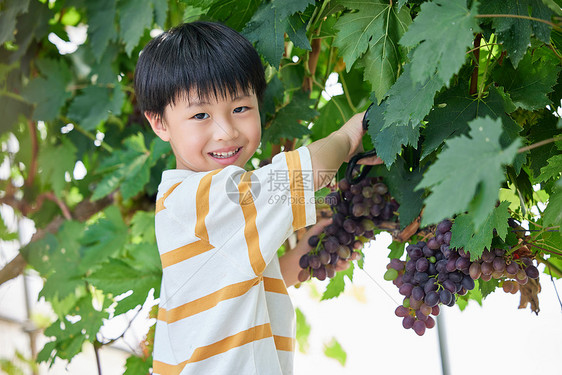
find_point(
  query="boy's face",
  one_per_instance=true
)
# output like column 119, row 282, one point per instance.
column 204, row 135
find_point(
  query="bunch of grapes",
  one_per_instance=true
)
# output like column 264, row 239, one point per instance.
column 357, row 210
column 434, row 273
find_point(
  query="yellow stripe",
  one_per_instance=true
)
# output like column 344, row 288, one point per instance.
column 242, row 338
column 274, row 285
column 207, row 302
column 185, row 252
column 284, row 343
column 202, row 201
column 250, row 229
column 297, row 189
column 160, row 202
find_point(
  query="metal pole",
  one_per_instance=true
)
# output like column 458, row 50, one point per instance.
column 443, row 347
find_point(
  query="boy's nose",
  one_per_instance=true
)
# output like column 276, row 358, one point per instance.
column 225, row 130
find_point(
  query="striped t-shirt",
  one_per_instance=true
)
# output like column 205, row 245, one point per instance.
column 224, row 307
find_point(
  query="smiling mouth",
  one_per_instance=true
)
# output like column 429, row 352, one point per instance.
column 225, row 155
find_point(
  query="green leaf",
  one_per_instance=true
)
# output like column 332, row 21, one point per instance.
column 337, row 283
column 127, row 168
column 402, row 183
column 464, row 234
column 117, row 277
column 135, row 16
column 552, row 170
column 233, row 13
column 453, row 111
column 268, row 26
column 515, row 33
column 396, row 249
column 101, row 18
column 138, row 366
column 334, row 350
column 94, row 105
column 296, row 31
column 454, row 188
column 303, row 331
column 375, row 28
column 104, row 239
column 10, row 10
column 409, row 102
column 54, row 162
column 388, row 141
column 286, row 122
column 48, row 94
column 142, row 225
column 440, row 53
column 487, row 287
column 552, row 215
column 529, row 84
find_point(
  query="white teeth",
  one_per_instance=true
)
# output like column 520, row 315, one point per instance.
column 224, row 155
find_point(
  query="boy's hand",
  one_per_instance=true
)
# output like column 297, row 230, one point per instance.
column 289, row 262
column 353, row 128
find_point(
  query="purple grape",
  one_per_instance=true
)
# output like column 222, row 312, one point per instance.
column 445, row 296
column 418, row 293
column 431, row 298
column 406, row 289
column 303, row 261
column 419, row 327
column 468, row 283
column 401, row 312
column 408, row 322
column 512, row 268
column 422, row 264
column 444, row 226
column 433, row 244
column 532, row 272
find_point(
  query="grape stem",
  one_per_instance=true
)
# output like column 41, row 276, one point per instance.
column 543, row 249
column 553, row 25
column 541, row 143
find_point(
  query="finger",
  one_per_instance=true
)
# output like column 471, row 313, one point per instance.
column 317, row 228
column 373, row 160
column 342, row 265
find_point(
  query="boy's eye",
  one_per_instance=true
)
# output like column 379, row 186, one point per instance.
column 201, row 116
column 240, row 109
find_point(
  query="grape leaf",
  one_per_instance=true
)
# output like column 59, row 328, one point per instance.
column 396, row 249
column 296, row 31
column 94, row 105
column 303, row 331
column 409, row 102
column 128, row 168
column 332, row 116
column 268, row 25
column 444, row 52
column 401, row 3
column 8, row 16
column 117, row 277
column 515, row 33
column 552, row 214
column 402, row 184
column 474, row 240
column 553, row 169
column 103, row 239
column 101, row 16
column 454, row 109
column 377, row 26
column 287, row 8
column 529, row 84
column 334, row 350
column 55, row 258
column 487, row 287
column 388, row 141
column 337, row 283
column 160, row 12
column 136, row 365
column 286, row 123
column 482, row 158
column 54, row 162
column 232, row 13
column 135, row 16
column 48, row 94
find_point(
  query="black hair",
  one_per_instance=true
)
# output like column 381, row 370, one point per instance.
column 208, row 57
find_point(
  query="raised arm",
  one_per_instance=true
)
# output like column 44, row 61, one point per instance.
column 329, row 153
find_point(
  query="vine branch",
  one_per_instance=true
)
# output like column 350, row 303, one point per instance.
column 541, row 143
column 553, row 25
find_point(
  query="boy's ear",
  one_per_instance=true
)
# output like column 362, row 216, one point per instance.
column 157, row 125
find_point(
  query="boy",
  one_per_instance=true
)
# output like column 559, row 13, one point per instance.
column 224, row 307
